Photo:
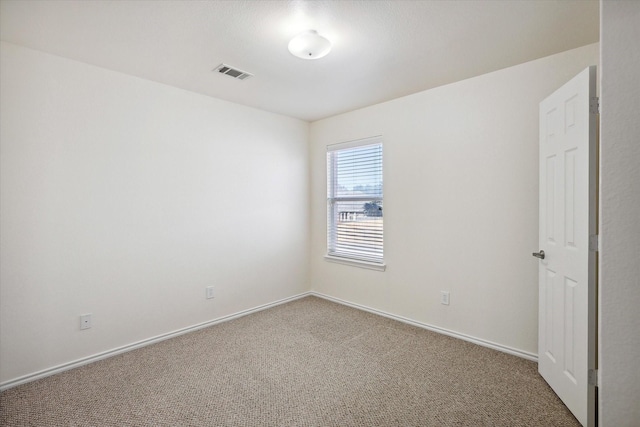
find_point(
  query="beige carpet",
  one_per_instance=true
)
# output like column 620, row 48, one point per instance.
column 310, row 362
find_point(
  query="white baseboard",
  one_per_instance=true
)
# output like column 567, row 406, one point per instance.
column 444, row 331
column 94, row 358
column 103, row 355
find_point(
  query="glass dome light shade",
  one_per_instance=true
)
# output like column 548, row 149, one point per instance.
column 309, row 45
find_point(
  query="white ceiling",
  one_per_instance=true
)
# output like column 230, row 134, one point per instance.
column 381, row 49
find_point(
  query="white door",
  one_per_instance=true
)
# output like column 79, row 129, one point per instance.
column 567, row 234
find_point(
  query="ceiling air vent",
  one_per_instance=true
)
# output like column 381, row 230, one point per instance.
column 233, row 72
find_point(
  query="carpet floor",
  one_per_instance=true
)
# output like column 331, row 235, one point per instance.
column 310, row 362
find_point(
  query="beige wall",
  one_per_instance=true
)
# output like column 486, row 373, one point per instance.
column 461, row 202
column 619, row 355
column 125, row 198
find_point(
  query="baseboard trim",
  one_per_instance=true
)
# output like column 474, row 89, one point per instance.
column 119, row 350
column 495, row 346
column 109, row 353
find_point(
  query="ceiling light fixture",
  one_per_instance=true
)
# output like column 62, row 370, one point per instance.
column 309, row 45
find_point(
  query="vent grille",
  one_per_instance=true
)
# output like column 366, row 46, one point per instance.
column 233, row 72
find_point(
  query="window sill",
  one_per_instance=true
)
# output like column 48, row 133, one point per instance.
column 356, row 263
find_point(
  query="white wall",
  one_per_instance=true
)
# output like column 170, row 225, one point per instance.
column 461, row 202
column 620, row 215
column 124, row 198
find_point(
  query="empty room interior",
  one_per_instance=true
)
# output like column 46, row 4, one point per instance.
column 184, row 212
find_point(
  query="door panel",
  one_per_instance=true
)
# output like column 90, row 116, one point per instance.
column 567, row 219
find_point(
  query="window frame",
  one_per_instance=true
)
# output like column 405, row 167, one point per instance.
column 343, row 258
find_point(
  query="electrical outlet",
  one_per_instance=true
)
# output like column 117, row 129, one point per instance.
column 209, row 292
column 444, row 297
column 85, row 321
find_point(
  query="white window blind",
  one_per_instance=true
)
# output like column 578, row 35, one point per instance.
column 354, row 200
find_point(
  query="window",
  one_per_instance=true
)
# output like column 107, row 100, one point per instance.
column 355, row 203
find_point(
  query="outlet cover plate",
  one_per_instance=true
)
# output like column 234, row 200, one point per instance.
column 209, row 292
column 444, row 297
